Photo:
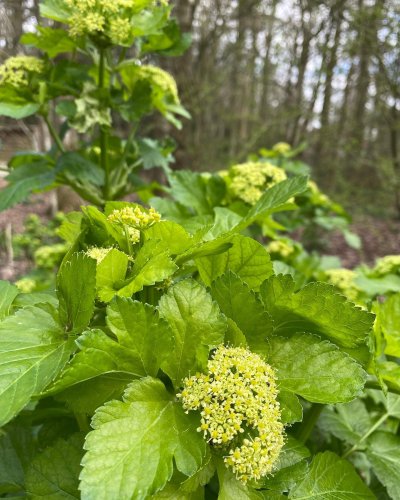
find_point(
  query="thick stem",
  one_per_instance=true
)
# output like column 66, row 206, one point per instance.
column 104, row 133
column 377, row 424
column 309, row 422
column 54, row 134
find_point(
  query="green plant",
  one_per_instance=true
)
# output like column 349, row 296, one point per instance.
column 85, row 78
column 156, row 369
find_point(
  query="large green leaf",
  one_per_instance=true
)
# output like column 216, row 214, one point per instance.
column 53, row 41
column 8, row 292
column 317, row 308
column 54, row 473
column 16, row 451
column 314, row 369
column 24, row 180
column 247, row 258
column 348, row 422
column 197, row 326
column 241, row 305
column 388, row 314
column 274, row 199
column 76, row 290
column 110, row 271
column 131, row 450
column 331, row 478
column 138, row 327
column 230, row 488
column 383, row 452
column 55, row 9
column 17, row 110
column 171, row 235
column 33, row 350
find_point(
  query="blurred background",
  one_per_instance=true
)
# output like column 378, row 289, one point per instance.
column 321, row 76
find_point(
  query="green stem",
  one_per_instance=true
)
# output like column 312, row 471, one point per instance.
column 83, row 423
column 54, row 134
column 309, row 422
column 377, row 424
column 103, row 132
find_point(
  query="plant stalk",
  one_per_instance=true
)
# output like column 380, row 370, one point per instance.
column 54, row 134
column 104, row 133
column 377, row 424
column 309, row 422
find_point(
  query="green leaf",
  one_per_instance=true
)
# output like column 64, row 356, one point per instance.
column 291, row 409
column 16, row 451
column 240, row 304
column 55, row 9
column 76, row 290
column 388, row 314
column 32, row 352
column 138, row 327
column 18, row 111
column 197, row 326
column 171, row 235
column 111, row 270
column 348, row 422
column 24, row 180
column 383, row 451
column 77, row 169
column 50, row 40
column 54, row 473
column 275, row 198
column 314, row 369
column 247, row 258
column 331, row 478
column 131, row 450
column 318, row 309
column 8, row 292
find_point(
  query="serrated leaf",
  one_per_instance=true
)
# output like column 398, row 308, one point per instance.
column 110, row 270
column 291, row 408
column 16, row 451
column 8, row 292
column 76, row 290
column 318, row 309
column 54, row 473
column 348, row 422
column 32, row 353
column 331, row 478
column 388, row 314
column 51, row 40
column 383, row 452
column 247, row 258
column 314, row 369
column 273, row 198
column 241, row 305
column 197, row 326
column 171, row 235
column 131, row 450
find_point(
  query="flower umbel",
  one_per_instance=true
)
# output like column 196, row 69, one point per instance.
column 238, row 397
column 250, row 180
column 15, row 71
column 135, row 217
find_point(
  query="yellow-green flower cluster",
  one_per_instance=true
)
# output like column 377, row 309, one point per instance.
column 280, row 247
column 343, row 279
column 15, row 71
column 111, row 18
column 135, row 218
column 49, row 256
column 387, row 265
column 26, row 285
column 238, row 397
column 97, row 253
column 160, row 80
column 250, row 180
column 281, row 148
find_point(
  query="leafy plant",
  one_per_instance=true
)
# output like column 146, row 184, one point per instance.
column 156, row 327
column 85, row 78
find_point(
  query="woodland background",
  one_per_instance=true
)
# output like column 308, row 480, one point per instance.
column 325, row 75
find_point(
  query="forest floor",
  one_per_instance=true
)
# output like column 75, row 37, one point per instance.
column 379, row 237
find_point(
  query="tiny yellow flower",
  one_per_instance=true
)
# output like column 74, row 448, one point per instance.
column 15, row 71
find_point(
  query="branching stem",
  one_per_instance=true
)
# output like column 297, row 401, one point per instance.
column 377, row 424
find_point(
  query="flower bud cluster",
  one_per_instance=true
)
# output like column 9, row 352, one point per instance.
column 280, row 247
column 134, row 220
column 111, row 18
column 98, row 253
column 250, row 180
column 387, row 265
column 238, row 398
column 15, row 71
column 281, row 148
column 343, row 279
column 160, row 80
